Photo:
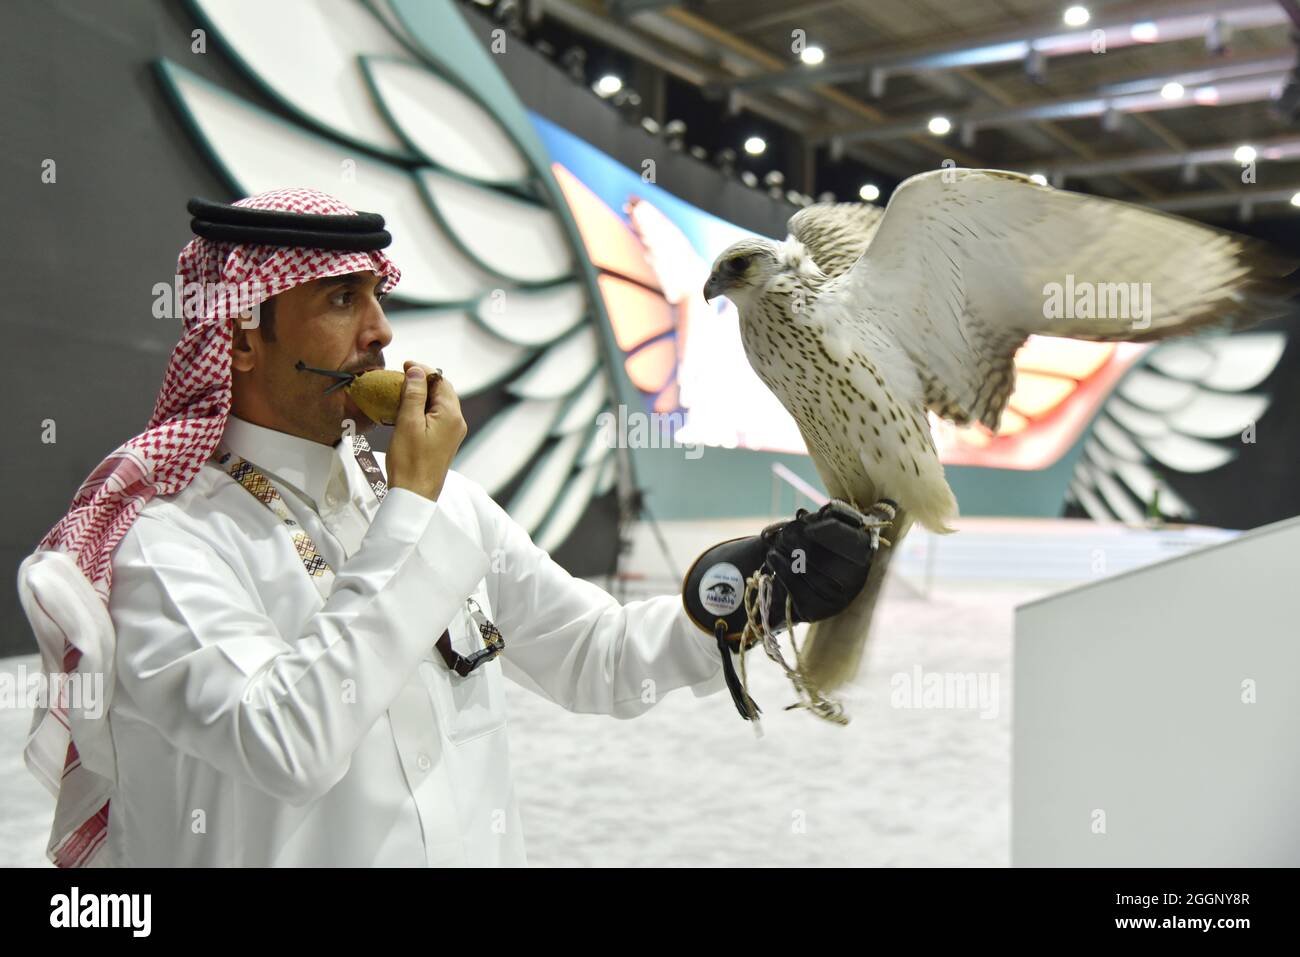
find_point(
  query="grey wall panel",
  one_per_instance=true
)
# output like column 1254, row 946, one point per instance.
column 1155, row 714
column 83, row 253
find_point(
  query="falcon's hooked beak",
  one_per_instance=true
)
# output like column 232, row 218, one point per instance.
column 714, row 288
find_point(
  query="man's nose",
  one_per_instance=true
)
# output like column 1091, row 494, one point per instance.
column 376, row 333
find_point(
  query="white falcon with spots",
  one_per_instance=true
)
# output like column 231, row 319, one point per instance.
column 863, row 320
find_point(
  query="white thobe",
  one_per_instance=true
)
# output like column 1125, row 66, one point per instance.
column 258, row 723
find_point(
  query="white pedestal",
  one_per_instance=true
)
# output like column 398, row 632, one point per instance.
column 1134, row 741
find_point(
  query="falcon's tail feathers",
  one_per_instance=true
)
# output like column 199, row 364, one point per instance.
column 930, row 500
column 832, row 650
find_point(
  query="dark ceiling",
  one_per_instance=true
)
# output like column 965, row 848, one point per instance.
column 1022, row 90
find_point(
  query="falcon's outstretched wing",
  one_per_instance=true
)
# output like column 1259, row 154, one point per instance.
column 835, row 234
column 966, row 264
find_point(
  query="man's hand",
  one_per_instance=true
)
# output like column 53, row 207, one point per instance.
column 427, row 434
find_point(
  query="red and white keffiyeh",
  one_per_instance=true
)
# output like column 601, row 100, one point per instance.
column 188, row 421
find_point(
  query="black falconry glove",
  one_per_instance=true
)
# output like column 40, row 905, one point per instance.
column 820, row 560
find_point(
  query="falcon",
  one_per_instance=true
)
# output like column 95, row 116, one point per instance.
column 865, row 320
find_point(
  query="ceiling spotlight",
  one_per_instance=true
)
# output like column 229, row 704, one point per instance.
column 726, row 160
column 1172, row 91
column 1144, row 32
column 774, row 178
column 939, row 125
column 574, row 61
column 749, row 179
column 812, row 55
column 1244, row 154
column 1036, row 65
column 650, row 125
column 510, row 13
column 1076, row 16
column 826, row 197
column 629, row 111
column 700, row 153
column 1038, row 178
column 1217, row 36
column 755, row 145
column 675, row 134
column 608, row 85
column 869, row 192
column 1295, row 200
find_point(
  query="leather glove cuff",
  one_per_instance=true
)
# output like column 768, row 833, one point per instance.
column 714, row 588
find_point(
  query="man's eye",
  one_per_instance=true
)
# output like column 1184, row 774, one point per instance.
column 342, row 298
column 380, row 297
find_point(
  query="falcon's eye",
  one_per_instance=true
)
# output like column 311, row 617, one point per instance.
column 737, row 264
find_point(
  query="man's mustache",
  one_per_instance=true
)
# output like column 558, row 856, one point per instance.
column 375, row 362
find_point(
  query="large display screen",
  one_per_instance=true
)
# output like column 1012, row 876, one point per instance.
column 653, row 252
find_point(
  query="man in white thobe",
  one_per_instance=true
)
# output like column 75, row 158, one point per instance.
column 259, row 719
column 298, row 731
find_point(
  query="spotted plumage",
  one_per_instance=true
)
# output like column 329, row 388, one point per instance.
column 862, row 321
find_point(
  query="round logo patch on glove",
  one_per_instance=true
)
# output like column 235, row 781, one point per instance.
column 722, row 589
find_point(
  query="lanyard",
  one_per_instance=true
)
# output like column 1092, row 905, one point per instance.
column 318, row 569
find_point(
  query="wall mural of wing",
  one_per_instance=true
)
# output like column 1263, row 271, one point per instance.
column 387, row 110
column 1182, row 411
column 1060, row 384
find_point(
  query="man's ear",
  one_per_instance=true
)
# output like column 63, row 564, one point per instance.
column 243, row 355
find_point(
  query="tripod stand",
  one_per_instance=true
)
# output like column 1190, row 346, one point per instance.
column 632, row 507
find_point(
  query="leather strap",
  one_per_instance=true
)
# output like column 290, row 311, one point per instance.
column 313, row 562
